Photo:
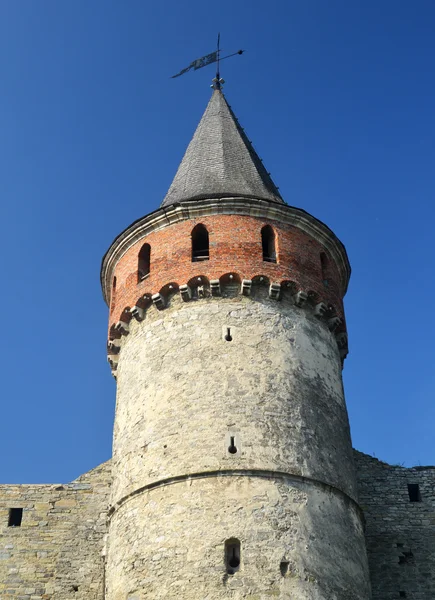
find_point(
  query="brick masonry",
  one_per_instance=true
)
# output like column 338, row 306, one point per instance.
column 235, row 247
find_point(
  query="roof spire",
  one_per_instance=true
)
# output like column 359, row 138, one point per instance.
column 217, row 82
column 220, row 161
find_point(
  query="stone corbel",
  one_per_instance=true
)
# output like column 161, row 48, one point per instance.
column 114, row 346
column 274, row 291
column 333, row 323
column 215, row 287
column 320, row 310
column 112, row 359
column 158, row 301
column 185, row 292
column 137, row 313
column 246, row 287
column 300, row 298
column 122, row 327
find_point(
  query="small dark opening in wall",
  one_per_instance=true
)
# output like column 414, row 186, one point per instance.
column 324, row 265
column 232, row 555
column 402, row 594
column 268, row 244
column 283, row 567
column 200, row 243
column 406, row 558
column 232, row 448
column 144, row 263
column 75, row 588
column 15, row 517
column 414, row 492
column 228, row 336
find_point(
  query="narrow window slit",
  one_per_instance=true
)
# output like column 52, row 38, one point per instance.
column 283, row 567
column 15, row 517
column 232, row 448
column 232, row 555
column 228, row 336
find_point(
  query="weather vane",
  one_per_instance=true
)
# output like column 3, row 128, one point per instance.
column 208, row 59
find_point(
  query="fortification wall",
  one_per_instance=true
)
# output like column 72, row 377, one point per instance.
column 400, row 533
column 56, row 552
column 182, row 387
column 287, row 493
column 298, row 541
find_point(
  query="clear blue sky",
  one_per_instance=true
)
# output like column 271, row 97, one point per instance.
column 338, row 98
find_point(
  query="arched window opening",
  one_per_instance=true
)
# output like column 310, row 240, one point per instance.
column 200, row 244
column 268, row 243
column 232, row 555
column 143, row 264
column 324, row 265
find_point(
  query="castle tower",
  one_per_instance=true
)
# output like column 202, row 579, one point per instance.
column 232, row 459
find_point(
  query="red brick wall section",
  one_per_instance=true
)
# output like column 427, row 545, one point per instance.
column 235, row 247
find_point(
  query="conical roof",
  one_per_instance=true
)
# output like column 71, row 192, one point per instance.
column 220, row 161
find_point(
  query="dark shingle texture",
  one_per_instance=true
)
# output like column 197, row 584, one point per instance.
column 220, row 161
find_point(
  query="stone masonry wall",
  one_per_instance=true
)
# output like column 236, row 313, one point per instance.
column 400, row 534
column 182, row 387
column 287, row 492
column 298, row 541
column 56, row 553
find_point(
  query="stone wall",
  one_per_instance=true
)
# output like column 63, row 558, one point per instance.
column 56, row 553
column 400, row 534
column 298, row 540
column 288, row 491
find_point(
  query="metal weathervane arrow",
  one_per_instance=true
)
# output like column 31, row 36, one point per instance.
column 208, row 59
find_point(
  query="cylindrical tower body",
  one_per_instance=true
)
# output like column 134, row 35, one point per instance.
column 232, row 459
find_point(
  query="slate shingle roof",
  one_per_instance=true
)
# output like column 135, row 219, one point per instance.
column 220, row 161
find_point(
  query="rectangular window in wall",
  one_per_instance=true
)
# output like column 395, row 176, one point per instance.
column 414, row 492
column 15, row 517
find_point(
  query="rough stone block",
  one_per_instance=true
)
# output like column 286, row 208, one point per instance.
column 320, row 309
column 275, row 291
column 246, row 287
column 122, row 327
column 185, row 292
column 158, row 301
column 333, row 323
column 215, row 287
column 138, row 313
column 300, row 298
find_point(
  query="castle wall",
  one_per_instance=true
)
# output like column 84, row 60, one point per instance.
column 56, row 553
column 400, row 534
column 298, row 541
column 182, row 387
column 289, row 490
